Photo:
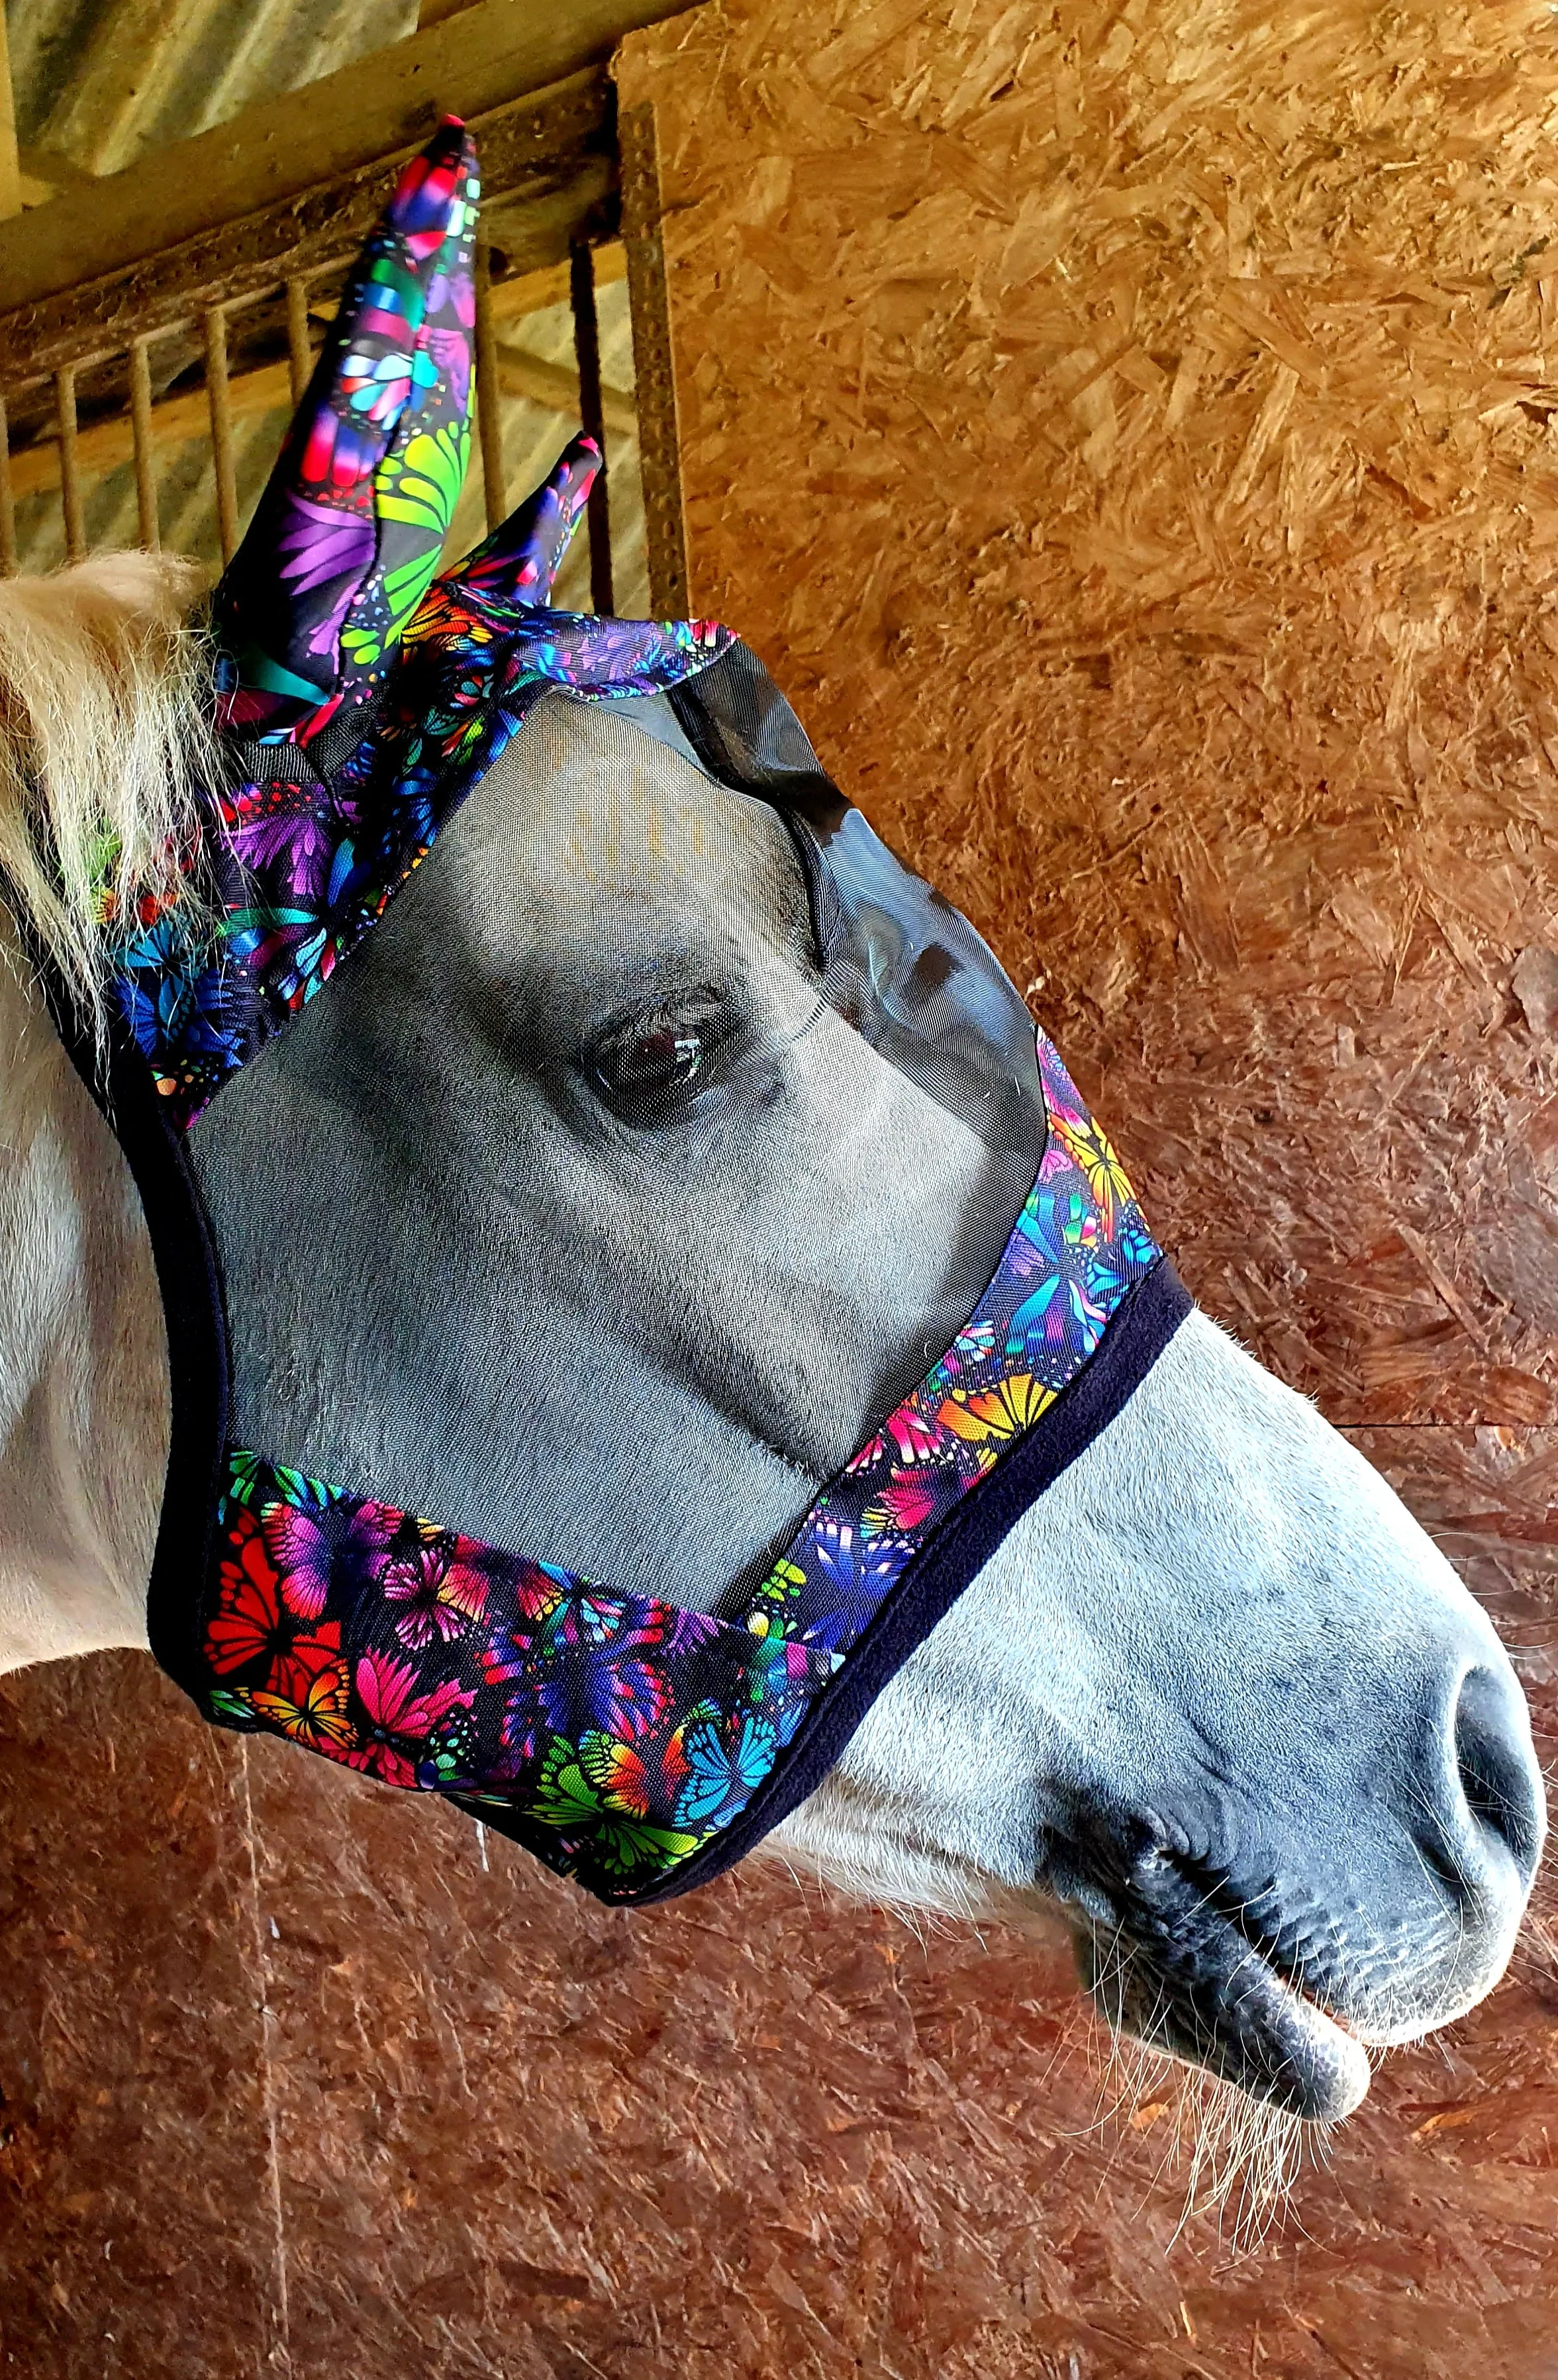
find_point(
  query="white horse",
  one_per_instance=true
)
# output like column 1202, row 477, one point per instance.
column 1217, row 1705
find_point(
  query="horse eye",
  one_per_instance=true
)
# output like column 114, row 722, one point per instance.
column 653, row 1060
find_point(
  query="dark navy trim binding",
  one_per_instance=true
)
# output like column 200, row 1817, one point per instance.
column 190, row 1284
column 945, row 1564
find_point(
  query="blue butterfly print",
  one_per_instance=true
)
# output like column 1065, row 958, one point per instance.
column 597, row 1687
column 852, row 1577
column 725, row 1767
column 171, row 1002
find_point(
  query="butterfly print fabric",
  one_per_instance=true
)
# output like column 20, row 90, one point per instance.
column 361, row 696
column 616, row 1736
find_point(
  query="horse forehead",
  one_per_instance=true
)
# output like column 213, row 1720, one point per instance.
column 585, row 799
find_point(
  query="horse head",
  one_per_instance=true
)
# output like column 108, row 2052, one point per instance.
column 612, row 1151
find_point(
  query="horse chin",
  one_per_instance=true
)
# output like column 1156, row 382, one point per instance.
column 1219, row 2006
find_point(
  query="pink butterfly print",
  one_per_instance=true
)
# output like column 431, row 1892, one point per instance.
column 904, row 1504
column 390, row 1692
column 310, row 1559
column 302, row 1553
column 420, row 210
column 438, row 1596
column 338, row 453
column 905, row 1436
column 537, row 1592
column 916, row 1439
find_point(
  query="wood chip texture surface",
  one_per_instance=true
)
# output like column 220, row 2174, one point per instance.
column 1128, row 433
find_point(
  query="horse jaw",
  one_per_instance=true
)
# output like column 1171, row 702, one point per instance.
column 1220, row 1708
column 84, row 1357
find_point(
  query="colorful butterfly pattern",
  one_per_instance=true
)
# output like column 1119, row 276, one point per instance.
column 615, row 1735
column 360, row 699
column 329, row 608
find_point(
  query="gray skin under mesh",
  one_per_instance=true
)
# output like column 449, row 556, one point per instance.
column 653, row 1143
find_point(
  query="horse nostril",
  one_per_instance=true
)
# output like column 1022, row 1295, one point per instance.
column 1498, row 1771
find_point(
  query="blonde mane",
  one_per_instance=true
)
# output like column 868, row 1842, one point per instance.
column 104, row 736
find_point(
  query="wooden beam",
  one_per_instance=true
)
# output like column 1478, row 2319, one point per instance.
column 528, row 293
column 660, row 462
column 478, row 61
column 554, row 386
column 552, row 155
column 54, row 171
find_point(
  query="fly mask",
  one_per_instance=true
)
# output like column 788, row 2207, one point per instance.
column 631, row 1743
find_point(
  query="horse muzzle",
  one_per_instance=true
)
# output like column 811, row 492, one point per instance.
column 1277, row 1974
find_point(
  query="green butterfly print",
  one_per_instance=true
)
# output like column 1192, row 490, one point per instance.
column 243, row 1476
column 784, row 1582
column 568, row 1802
column 421, row 483
column 418, row 487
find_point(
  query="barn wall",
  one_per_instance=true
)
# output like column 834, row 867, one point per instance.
column 1126, row 433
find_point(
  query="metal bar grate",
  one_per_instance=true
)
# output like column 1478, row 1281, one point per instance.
column 95, row 416
column 8, row 502
column 141, row 431
column 659, row 448
column 69, row 464
column 221, row 429
column 299, row 353
column 587, row 355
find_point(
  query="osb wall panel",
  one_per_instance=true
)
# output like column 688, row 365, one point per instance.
column 137, row 2232
column 1126, row 433
column 298, row 2080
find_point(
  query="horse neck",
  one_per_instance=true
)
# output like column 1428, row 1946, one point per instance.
column 83, row 1361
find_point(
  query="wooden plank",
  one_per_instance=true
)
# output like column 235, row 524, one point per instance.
column 659, row 451
column 478, row 61
column 554, row 151
column 118, row 63
column 49, row 171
